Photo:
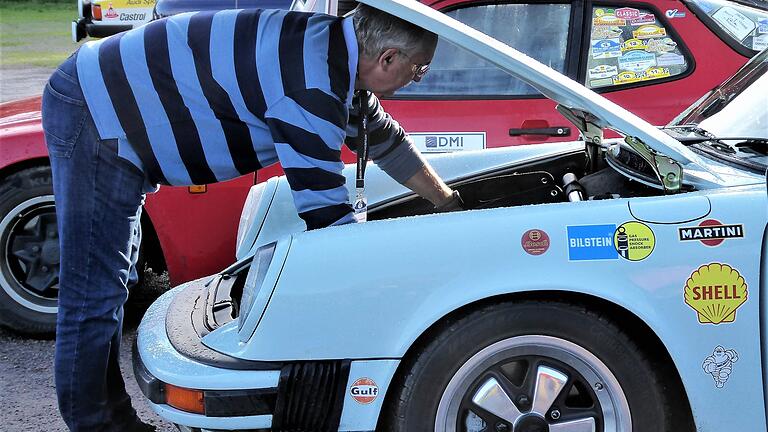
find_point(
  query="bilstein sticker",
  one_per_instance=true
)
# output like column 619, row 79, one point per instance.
column 715, row 291
column 720, row 364
column 535, row 242
column 711, row 232
column 634, row 241
column 591, row 242
column 364, row 390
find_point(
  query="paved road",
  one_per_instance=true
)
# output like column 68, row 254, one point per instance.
column 17, row 83
column 27, row 394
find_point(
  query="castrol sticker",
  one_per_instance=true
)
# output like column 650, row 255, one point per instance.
column 364, row 391
column 535, row 242
column 715, row 291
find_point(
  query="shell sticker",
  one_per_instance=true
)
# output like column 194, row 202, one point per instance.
column 715, row 291
column 364, row 391
column 634, row 241
column 720, row 364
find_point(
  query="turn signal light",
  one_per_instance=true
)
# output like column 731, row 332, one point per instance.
column 96, row 12
column 185, row 399
column 198, row 189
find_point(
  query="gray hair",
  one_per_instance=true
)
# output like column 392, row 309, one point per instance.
column 377, row 31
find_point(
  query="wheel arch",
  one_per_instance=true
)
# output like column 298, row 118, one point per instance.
column 151, row 246
column 629, row 322
column 15, row 167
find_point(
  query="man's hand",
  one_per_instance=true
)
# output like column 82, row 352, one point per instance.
column 429, row 185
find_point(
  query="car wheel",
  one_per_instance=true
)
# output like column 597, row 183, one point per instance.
column 29, row 252
column 529, row 367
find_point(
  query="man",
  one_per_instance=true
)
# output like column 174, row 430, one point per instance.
column 196, row 99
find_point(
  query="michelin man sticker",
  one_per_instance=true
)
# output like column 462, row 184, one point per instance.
column 720, row 365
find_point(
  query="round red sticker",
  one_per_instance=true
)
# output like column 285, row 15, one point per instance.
column 711, row 222
column 364, row 390
column 535, row 242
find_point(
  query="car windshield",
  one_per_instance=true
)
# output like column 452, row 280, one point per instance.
column 731, row 121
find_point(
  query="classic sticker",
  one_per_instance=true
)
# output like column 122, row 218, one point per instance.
column 637, row 61
column 603, row 71
column 720, row 364
column 591, row 242
column 670, row 59
column 535, row 241
column 364, row 390
column 649, row 31
column 606, row 48
column 711, row 232
column 715, row 291
column 634, row 241
column 442, row 142
column 627, row 13
column 734, row 21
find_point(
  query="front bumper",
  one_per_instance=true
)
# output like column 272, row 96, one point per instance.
column 293, row 396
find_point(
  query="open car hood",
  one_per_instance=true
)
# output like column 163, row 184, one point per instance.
column 570, row 95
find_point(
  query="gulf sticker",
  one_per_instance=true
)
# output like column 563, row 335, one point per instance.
column 711, row 232
column 649, row 31
column 605, row 32
column 608, row 20
column 535, row 242
column 627, row 13
column 603, row 71
column 634, row 241
column 364, row 390
column 634, row 44
column 715, row 291
column 660, row 45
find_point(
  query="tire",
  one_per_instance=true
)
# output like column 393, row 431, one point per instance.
column 29, row 252
column 479, row 373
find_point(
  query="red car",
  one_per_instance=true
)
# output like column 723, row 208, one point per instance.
column 654, row 57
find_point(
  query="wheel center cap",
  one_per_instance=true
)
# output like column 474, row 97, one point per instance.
column 531, row 423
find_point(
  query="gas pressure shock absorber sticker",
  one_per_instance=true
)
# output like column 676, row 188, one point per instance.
column 715, row 291
column 634, row 241
column 720, row 364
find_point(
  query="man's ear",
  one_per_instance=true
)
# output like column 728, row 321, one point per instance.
column 387, row 58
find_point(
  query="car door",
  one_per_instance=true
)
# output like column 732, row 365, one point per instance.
column 465, row 103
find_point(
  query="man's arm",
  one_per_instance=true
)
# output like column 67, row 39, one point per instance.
column 395, row 153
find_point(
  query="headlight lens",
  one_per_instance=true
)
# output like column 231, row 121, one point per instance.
column 249, row 210
column 255, row 280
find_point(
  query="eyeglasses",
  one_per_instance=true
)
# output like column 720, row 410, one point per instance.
column 418, row 69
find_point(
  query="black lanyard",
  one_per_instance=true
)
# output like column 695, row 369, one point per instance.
column 362, row 142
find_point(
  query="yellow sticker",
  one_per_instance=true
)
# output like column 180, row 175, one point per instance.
column 634, row 241
column 715, row 291
column 649, row 31
column 633, row 44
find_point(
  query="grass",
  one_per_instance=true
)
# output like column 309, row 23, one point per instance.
column 35, row 34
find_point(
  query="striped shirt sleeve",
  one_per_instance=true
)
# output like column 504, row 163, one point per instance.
column 389, row 146
column 307, row 127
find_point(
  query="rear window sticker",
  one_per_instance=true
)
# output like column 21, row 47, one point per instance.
column 649, row 31
column 591, row 242
column 627, row 13
column 535, row 241
column 644, row 18
column 605, row 32
column 601, row 82
column 720, row 364
column 674, row 13
column 606, row 48
column 656, row 73
column 760, row 43
column 634, row 241
column 715, row 291
column 634, row 44
column 670, row 59
column 734, row 21
column 603, row 71
column 762, row 25
column 637, row 61
column 711, row 232
column 446, row 142
column 608, row 20
column 660, row 45
column 626, row 78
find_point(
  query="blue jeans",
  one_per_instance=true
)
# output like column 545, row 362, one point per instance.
column 98, row 206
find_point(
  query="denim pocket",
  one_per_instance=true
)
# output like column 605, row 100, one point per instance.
column 63, row 116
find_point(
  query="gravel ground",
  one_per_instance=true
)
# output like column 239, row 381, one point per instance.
column 27, row 394
column 17, row 83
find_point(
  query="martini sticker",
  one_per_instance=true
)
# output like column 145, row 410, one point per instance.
column 715, row 291
column 634, row 241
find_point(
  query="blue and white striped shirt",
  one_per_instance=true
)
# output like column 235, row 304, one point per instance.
column 204, row 97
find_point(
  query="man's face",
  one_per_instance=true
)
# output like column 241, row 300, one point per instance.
column 396, row 69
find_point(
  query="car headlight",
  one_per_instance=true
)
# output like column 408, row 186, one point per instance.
column 253, row 215
column 255, row 280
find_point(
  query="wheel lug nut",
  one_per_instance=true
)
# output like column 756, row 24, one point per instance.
column 35, row 248
column 598, row 386
column 501, row 427
column 555, row 414
column 523, row 400
column 44, row 269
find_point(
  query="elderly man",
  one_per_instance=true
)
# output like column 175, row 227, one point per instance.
column 201, row 98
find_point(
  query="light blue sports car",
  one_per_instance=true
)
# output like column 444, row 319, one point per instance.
column 609, row 284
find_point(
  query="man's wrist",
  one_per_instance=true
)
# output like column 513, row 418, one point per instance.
column 453, row 203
